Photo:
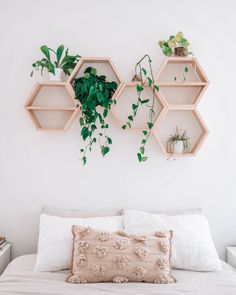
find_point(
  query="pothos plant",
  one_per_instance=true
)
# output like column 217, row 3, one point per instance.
column 95, row 95
column 144, row 77
column 61, row 59
column 170, row 45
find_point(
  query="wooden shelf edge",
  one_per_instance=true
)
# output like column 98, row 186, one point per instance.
column 181, row 84
column 52, row 83
column 48, row 108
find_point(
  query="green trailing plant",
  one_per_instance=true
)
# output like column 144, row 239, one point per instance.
column 61, row 59
column 144, row 78
column 168, row 46
column 95, row 96
column 180, row 136
column 182, row 77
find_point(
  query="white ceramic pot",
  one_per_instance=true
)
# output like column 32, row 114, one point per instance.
column 58, row 75
column 179, row 147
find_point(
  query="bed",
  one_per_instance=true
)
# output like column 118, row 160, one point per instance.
column 19, row 278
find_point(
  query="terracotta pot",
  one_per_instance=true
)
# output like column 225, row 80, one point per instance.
column 181, row 51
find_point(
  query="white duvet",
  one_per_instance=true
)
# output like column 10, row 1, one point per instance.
column 19, row 278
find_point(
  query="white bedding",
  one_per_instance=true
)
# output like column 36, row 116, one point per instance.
column 19, row 278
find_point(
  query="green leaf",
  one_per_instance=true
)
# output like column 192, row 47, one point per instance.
column 150, row 125
column 45, row 51
column 105, row 112
column 92, row 90
column 175, row 78
column 130, row 118
column 86, row 75
column 142, row 150
column 145, row 132
column 124, row 127
column 93, row 127
column 60, row 50
column 144, row 159
column 156, row 87
column 144, row 101
column 84, row 132
column 139, row 157
column 105, row 150
column 139, row 88
column 186, row 69
column 149, row 81
column 100, row 96
column 134, row 106
column 109, row 140
column 144, row 71
column 167, row 50
column 81, row 121
column 84, row 160
column 143, row 141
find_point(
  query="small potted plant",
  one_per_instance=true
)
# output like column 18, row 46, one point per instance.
column 176, row 45
column 95, row 95
column 179, row 142
column 62, row 63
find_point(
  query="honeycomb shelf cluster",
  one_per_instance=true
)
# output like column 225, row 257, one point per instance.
column 176, row 75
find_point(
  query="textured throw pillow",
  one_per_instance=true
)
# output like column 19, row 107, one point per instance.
column 56, row 240
column 102, row 256
column 192, row 247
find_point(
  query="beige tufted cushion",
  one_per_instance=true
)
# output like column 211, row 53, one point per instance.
column 100, row 256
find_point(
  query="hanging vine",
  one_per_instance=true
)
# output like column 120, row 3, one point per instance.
column 145, row 78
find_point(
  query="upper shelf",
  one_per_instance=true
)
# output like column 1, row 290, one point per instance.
column 103, row 65
column 181, row 70
column 51, row 106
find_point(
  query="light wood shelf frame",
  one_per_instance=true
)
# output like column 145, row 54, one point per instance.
column 166, row 107
column 157, row 118
column 31, row 108
column 203, row 84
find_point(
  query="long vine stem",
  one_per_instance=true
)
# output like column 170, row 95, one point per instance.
column 144, row 80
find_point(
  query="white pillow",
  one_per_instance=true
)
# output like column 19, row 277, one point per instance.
column 55, row 238
column 192, row 246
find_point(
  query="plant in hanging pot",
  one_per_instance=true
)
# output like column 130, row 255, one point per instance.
column 144, row 77
column 95, row 94
column 176, row 45
column 179, row 142
column 63, row 63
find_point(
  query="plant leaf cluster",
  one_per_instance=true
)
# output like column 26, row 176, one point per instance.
column 180, row 136
column 55, row 59
column 95, row 96
column 178, row 40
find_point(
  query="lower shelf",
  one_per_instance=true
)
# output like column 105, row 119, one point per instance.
column 48, row 119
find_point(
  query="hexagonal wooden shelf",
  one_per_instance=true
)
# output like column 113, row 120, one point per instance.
column 122, row 94
column 196, row 83
column 97, row 62
column 65, row 114
column 194, row 87
column 197, row 130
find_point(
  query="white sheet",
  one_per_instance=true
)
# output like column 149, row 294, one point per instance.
column 19, row 278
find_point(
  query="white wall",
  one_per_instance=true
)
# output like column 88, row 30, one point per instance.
column 39, row 169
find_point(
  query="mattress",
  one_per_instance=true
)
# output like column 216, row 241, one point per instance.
column 19, row 278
